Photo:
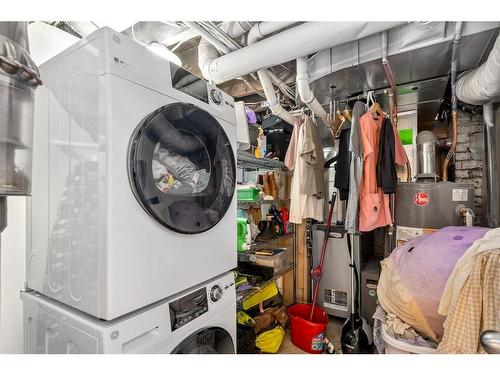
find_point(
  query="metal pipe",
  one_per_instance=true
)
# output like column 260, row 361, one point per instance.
column 393, row 95
column 302, row 40
column 492, row 167
column 454, row 115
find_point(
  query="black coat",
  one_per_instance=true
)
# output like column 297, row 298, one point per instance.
column 386, row 161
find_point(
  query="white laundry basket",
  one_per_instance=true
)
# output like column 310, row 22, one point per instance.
column 394, row 346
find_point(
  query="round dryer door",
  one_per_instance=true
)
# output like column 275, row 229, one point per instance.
column 182, row 168
column 207, row 341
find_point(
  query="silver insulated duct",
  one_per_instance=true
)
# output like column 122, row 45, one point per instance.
column 482, row 85
column 18, row 79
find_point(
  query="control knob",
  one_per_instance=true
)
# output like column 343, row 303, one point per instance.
column 216, row 96
column 215, row 293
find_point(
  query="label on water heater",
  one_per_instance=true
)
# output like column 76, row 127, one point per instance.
column 460, row 195
column 421, row 199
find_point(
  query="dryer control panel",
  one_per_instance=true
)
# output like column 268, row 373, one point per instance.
column 188, row 308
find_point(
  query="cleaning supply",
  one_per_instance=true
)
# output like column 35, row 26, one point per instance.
column 242, row 234
column 308, row 322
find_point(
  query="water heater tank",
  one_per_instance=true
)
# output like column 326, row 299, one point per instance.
column 18, row 79
column 422, row 207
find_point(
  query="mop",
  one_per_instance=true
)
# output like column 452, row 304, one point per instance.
column 317, row 272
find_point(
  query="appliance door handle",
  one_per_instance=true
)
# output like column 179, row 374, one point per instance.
column 141, row 340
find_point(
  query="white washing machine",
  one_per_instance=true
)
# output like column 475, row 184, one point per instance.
column 133, row 178
column 199, row 320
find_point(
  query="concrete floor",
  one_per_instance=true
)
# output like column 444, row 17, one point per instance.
column 332, row 332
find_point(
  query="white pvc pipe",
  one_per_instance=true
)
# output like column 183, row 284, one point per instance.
column 208, row 37
column 259, row 31
column 274, row 104
column 305, row 92
column 208, row 53
column 481, row 85
column 262, row 29
column 302, row 40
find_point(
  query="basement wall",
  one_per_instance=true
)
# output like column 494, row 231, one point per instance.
column 470, row 157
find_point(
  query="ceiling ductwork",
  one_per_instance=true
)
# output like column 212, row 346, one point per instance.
column 302, row 40
column 482, row 85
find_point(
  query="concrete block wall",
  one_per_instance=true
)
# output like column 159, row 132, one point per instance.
column 470, row 157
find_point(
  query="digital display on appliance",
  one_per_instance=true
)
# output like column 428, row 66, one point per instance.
column 188, row 83
column 188, row 308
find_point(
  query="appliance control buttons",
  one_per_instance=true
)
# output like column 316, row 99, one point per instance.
column 216, row 293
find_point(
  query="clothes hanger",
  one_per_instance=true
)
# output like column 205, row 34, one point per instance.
column 347, row 111
column 339, row 121
column 375, row 107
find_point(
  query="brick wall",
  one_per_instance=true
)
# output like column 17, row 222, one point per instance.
column 470, row 155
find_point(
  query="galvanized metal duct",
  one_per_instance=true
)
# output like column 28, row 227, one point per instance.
column 302, row 40
column 482, row 85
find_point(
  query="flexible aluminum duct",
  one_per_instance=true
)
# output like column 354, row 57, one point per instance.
column 19, row 78
column 482, row 85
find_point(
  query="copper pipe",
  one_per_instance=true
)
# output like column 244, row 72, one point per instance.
column 453, row 147
column 393, row 95
column 454, row 121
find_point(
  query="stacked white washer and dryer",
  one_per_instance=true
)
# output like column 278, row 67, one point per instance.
column 133, row 209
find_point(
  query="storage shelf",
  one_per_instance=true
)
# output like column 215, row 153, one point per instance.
column 250, row 204
column 248, row 161
column 269, row 244
column 242, row 296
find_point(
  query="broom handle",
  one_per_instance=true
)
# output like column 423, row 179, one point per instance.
column 323, row 253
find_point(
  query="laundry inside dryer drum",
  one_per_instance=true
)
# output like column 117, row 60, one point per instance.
column 182, row 168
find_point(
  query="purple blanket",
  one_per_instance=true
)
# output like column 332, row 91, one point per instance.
column 425, row 263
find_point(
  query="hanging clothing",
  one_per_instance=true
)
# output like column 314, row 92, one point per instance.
column 307, row 150
column 374, row 209
column 312, row 160
column 386, row 163
column 342, row 167
column 291, row 151
column 355, row 169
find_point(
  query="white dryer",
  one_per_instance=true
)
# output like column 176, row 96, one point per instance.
column 133, row 178
column 201, row 320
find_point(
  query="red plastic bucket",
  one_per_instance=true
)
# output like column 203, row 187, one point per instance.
column 307, row 335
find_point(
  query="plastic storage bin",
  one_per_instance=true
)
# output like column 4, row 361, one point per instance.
column 247, row 194
column 394, row 346
column 278, row 260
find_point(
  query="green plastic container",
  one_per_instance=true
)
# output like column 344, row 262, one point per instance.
column 248, row 194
